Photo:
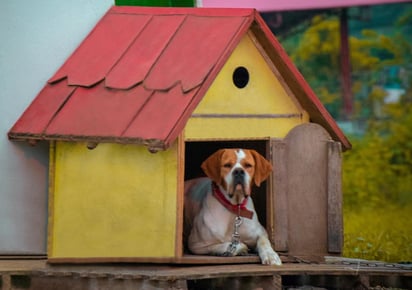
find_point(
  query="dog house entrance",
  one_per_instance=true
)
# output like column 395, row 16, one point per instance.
column 198, row 151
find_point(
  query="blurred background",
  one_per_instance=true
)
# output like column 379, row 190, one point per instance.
column 358, row 60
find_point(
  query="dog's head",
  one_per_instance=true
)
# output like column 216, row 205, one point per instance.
column 236, row 170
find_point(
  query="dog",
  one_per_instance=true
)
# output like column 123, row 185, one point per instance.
column 220, row 217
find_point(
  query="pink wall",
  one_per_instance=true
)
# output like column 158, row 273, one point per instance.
column 280, row 5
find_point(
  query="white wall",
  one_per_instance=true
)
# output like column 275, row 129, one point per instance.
column 36, row 37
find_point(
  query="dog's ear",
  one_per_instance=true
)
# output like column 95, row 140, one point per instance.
column 211, row 166
column 262, row 168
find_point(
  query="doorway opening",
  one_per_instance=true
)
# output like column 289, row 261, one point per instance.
column 198, row 151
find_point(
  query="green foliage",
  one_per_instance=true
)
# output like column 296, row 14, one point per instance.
column 365, row 171
column 377, row 186
column 379, row 168
column 383, row 234
column 406, row 18
column 317, row 55
column 377, row 172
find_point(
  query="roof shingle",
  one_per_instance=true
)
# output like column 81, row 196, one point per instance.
column 141, row 71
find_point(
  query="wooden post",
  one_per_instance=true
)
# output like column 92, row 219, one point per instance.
column 306, row 192
column 280, row 196
column 334, row 183
column 5, row 282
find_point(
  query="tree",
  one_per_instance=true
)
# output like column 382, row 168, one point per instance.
column 317, row 57
column 377, row 172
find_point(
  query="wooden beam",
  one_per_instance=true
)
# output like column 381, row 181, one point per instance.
column 334, row 190
column 280, row 196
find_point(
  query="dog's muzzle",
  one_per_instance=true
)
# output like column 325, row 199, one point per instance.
column 238, row 175
column 238, row 181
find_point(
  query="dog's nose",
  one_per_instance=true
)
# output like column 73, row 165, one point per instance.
column 238, row 173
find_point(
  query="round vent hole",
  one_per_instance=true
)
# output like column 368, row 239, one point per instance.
column 241, row 77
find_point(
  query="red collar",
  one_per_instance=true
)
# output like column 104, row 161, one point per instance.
column 238, row 209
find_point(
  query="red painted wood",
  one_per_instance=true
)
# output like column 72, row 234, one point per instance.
column 193, row 51
column 208, row 81
column 177, row 52
column 41, row 111
column 98, row 112
column 160, row 114
column 143, row 53
column 102, row 48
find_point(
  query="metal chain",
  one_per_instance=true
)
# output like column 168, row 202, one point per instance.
column 235, row 237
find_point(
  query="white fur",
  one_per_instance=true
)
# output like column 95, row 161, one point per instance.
column 212, row 224
column 229, row 177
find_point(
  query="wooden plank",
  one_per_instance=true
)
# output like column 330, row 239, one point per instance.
column 279, row 201
column 108, row 260
column 208, row 260
column 176, row 273
column 160, row 115
column 5, row 282
column 164, row 272
column 101, row 49
column 42, row 110
column 98, row 111
column 81, row 179
column 307, row 190
column 269, row 197
column 179, row 247
column 189, row 57
column 22, row 257
column 51, row 192
column 275, row 71
column 335, row 215
column 143, row 53
column 12, row 266
column 183, row 259
column 239, row 283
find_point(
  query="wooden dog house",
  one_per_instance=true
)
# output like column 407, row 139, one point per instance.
column 144, row 99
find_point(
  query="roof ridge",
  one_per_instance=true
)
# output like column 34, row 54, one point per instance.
column 171, row 61
column 196, row 11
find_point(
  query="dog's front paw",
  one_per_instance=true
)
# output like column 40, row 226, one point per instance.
column 267, row 255
column 239, row 249
column 270, row 257
column 242, row 250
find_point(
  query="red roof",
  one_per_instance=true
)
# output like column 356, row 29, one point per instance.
column 141, row 72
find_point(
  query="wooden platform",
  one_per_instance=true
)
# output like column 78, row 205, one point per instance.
column 333, row 274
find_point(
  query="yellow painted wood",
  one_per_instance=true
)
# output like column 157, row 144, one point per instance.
column 210, row 128
column 264, row 94
column 114, row 201
column 50, row 219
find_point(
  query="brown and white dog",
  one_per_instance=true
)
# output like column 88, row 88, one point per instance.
column 212, row 205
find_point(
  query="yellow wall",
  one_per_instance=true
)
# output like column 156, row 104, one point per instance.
column 264, row 95
column 122, row 201
column 113, row 201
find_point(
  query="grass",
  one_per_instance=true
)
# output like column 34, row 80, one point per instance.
column 383, row 234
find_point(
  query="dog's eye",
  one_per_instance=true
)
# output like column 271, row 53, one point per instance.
column 248, row 165
column 227, row 165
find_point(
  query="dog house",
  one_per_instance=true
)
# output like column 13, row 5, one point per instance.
column 144, row 99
